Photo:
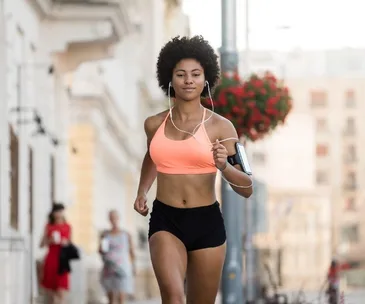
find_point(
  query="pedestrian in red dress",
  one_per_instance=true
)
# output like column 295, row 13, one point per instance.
column 57, row 233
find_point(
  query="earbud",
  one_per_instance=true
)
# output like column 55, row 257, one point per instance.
column 170, row 84
column 206, row 83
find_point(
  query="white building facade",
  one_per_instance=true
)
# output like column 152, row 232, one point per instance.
column 40, row 43
column 298, row 215
column 327, row 87
column 110, row 101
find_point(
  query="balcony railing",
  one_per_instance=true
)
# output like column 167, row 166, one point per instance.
column 116, row 11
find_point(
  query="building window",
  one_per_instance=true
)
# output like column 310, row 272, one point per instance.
column 258, row 157
column 350, row 204
column 321, row 150
column 321, row 124
column 350, row 181
column 318, row 99
column 350, row 126
column 350, row 154
column 350, row 234
column 321, row 177
column 14, row 179
column 350, row 99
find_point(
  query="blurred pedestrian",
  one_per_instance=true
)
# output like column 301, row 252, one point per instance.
column 116, row 249
column 57, row 234
column 333, row 279
column 186, row 146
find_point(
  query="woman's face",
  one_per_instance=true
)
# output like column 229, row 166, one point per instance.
column 114, row 218
column 59, row 216
column 188, row 79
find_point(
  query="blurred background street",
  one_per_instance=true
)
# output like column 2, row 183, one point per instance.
column 78, row 79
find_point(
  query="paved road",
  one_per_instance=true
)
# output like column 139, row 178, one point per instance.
column 350, row 297
column 156, row 301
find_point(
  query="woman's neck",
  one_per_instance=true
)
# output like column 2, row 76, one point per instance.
column 185, row 110
column 115, row 229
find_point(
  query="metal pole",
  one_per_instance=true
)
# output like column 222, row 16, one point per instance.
column 3, row 110
column 232, row 207
column 247, row 37
column 249, row 249
column 250, row 255
column 232, row 289
column 228, row 51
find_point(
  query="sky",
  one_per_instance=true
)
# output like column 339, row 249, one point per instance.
column 284, row 24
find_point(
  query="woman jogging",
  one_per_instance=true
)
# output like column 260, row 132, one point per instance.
column 186, row 146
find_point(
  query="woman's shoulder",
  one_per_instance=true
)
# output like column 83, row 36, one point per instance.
column 156, row 120
column 219, row 127
column 152, row 123
column 217, row 118
column 104, row 233
column 218, row 121
column 66, row 226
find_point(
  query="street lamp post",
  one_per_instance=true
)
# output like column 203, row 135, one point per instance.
column 232, row 207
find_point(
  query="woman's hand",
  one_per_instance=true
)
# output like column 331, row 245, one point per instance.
column 140, row 204
column 65, row 242
column 220, row 154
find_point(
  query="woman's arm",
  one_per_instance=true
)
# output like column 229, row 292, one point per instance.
column 148, row 170
column 67, row 240
column 148, row 175
column 233, row 174
column 102, row 235
column 44, row 240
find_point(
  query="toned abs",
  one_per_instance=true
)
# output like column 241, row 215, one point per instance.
column 186, row 191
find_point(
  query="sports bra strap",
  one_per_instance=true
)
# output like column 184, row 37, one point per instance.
column 167, row 116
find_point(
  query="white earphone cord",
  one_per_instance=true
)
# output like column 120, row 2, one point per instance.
column 193, row 133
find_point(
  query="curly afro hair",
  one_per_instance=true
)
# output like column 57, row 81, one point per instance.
column 183, row 48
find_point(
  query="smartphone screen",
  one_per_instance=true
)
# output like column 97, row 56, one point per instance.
column 242, row 154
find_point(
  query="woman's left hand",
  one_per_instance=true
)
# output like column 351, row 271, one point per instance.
column 220, row 154
column 64, row 242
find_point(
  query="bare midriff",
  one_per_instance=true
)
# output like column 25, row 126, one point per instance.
column 186, row 191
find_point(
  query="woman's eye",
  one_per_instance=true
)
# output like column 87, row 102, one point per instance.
column 179, row 75
column 196, row 75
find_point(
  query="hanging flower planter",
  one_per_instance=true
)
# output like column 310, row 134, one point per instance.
column 255, row 106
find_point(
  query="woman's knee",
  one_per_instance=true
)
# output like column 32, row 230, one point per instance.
column 172, row 298
column 172, row 294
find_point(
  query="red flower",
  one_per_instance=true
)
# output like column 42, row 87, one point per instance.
column 251, row 104
column 251, row 94
column 236, row 110
column 272, row 101
column 256, row 115
column 255, row 106
column 272, row 111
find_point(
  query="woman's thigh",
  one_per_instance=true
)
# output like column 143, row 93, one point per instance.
column 169, row 260
column 204, row 272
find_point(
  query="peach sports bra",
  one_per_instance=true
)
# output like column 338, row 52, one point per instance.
column 190, row 156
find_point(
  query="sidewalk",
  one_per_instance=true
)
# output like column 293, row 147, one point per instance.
column 155, row 301
column 158, row 301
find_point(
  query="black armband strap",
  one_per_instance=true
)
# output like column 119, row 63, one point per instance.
column 233, row 159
